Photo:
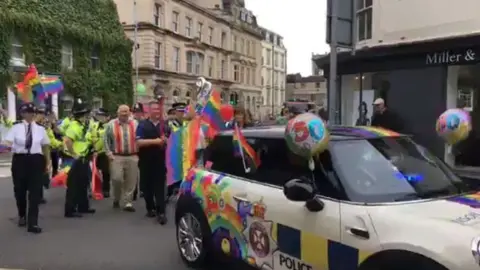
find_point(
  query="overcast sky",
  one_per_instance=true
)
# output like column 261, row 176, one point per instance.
column 300, row 22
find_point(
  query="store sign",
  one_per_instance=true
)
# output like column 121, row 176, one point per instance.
column 449, row 57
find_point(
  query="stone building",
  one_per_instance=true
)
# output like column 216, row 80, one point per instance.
column 311, row 88
column 180, row 40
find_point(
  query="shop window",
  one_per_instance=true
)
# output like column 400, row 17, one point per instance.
column 364, row 19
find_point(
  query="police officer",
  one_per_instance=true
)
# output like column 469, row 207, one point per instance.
column 96, row 136
column 77, row 146
column 178, row 118
column 151, row 139
column 29, row 143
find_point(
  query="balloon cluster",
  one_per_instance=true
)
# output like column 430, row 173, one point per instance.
column 454, row 125
column 307, row 135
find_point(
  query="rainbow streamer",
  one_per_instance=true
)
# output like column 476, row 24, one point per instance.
column 60, row 180
column 366, row 132
column 211, row 112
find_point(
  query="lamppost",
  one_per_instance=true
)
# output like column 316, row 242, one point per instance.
column 135, row 36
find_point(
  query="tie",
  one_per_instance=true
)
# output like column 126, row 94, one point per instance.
column 29, row 138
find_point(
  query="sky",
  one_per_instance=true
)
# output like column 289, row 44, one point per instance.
column 300, row 22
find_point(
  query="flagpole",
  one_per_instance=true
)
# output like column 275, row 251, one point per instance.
column 135, row 47
column 237, row 131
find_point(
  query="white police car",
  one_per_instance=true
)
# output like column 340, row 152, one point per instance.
column 376, row 200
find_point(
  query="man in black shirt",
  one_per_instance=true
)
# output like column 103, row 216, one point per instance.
column 151, row 138
column 385, row 118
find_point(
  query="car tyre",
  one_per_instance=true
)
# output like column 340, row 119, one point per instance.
column 191, row 214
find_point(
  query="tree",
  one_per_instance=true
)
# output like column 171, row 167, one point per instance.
column 89, row 27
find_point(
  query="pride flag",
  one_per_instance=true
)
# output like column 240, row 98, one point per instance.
column 51, row 85
column 31, row 83
column 211, row 112
column 60, row 180
column 242, row 149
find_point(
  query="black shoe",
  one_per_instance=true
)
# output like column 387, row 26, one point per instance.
column 73, row 215
column 162, row 219
column 151, row 214
column 106, row 194
column 116, row 205
column 43, row 201
column 22, row 222
column 87, row 211
column 34, row 229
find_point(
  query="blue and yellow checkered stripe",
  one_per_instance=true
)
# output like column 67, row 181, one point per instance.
column 318, row 252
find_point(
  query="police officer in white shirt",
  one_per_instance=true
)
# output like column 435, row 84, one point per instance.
column 29, row 142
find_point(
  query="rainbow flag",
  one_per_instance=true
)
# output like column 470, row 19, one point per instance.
column 31, row 83
column 51, row 85
column 242, row 149
column 211, row 112
column 24, row 93
column 61, row 178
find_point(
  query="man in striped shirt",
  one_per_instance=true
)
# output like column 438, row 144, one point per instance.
column 121, row 148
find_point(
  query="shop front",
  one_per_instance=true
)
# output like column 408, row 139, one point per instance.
column 418, row 82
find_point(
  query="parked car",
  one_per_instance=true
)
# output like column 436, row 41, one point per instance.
column 376, row 200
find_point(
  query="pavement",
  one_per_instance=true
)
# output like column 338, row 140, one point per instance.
column 109, row 239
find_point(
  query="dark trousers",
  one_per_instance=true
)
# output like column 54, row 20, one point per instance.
column 103, row 166
column 27, row 174
column 76, row 197
column 54, row 157
column 153, row 181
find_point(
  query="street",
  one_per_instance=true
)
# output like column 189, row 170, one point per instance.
column 109, row 239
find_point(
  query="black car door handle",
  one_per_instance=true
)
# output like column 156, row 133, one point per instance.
column 357, row 232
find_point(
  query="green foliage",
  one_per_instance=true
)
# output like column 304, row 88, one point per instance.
column 87, row 25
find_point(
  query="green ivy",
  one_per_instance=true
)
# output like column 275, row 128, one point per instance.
column 87, row 25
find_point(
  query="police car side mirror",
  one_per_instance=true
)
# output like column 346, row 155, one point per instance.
column 299, row 190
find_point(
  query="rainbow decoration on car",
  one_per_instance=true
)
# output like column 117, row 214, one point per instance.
column 472, row 200
column 366, row 132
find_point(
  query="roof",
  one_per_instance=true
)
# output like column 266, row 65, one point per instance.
column 336, row 132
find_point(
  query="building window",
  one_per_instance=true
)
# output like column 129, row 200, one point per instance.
column 248, row 76
column 95, row 59
column 158, row 55
column 235, row 45
column 224, row 40
column 157, row 15
column 67, row 56
column 269, row 57
column 364, row 19
column 282, row 61
column 254, row 78
column 199, row 30
column 176, row 59
column 236, row 71
column 188, row 27
column 242, row 74
column 210, row 35
column 249, row 44
column 195, row 62
column 222, row 69
column 17, row 51
column 175, row 16
column 210, row 66
column 275, row 60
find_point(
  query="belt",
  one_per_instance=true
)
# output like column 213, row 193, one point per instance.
column 125, row 154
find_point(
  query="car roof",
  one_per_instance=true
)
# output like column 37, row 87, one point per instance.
column 336, row 132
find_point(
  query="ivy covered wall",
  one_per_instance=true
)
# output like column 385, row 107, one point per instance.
column 88, row 26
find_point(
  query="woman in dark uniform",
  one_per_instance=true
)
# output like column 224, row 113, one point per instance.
column 29, row 143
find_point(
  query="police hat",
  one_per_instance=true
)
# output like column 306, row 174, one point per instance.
column 138, row 108
column 41, row 109
column 101, row 112
column 179, row 106
column 27, row 108
column 79, row 107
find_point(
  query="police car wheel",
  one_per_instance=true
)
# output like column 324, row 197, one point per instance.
column 193, row 236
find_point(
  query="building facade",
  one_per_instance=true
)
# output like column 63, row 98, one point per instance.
column 274, row 72
column 420, row 66
column 180, row 40
column 311, row 88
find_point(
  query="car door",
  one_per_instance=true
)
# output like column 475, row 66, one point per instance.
column 220, row 185
column 283, row 234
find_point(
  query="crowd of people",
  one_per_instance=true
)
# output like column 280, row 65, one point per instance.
column 129, row 152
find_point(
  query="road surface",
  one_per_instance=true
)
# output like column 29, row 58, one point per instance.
column 110, row 239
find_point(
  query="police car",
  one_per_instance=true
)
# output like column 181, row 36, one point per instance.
column 376, row 200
